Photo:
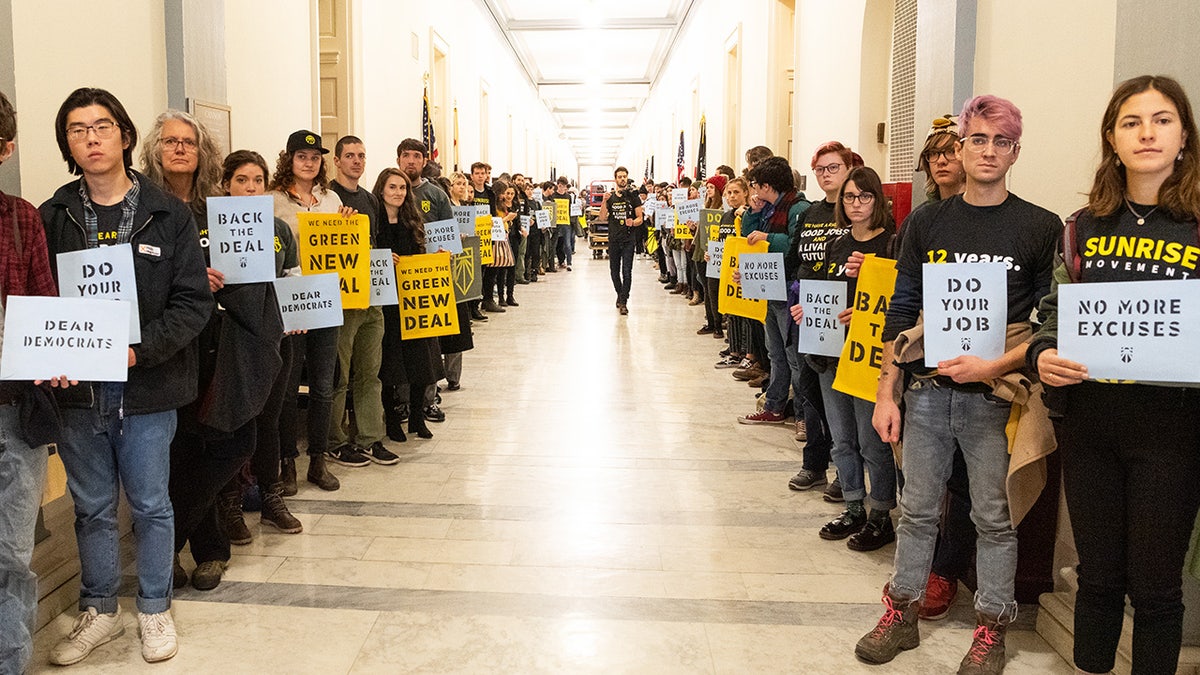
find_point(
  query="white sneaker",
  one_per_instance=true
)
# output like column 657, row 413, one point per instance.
column 158, row 636
column 91, row 630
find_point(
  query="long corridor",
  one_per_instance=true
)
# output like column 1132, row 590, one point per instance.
column 589, row 505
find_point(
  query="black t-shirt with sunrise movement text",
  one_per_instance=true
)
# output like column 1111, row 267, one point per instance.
column 814, row 233
column 1116, row 248
column 621, row 206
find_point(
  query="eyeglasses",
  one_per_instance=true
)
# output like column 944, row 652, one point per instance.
column 860, row 198
column 932, row 156
column 828, row 168
column 104, row 130
column 174, row 144
column 977, row 144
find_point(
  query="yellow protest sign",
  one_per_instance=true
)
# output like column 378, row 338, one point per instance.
column 711, row 218
column 731, row 300
column 331, row 243
column 427, row 304
column 483, row 230
column 862, row 355
column 562, row 211
column 682, row 232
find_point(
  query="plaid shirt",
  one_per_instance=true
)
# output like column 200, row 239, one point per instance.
column 24, row 260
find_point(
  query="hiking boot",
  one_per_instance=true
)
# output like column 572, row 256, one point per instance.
column 833, row 492
column 895, row 632
column 986, row 655
column 381, row 455
column 207, row 575
column 623, row 310
column 159, row 642
column 91, row 630
column 806, row 479
column 696, row 299
column 877, row 533
column 491, row 306
column 318, row 473
column 287, row 476
column 801, row 430
column 940, row 593
column 848, row 523
column 348, row 454
column 763, row 417
column 229, row 510
column 275, row 512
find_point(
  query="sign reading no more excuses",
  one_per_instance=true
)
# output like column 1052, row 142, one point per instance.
column 966, row 307
column 762, row 276
column 106, row 273
column 444, row 235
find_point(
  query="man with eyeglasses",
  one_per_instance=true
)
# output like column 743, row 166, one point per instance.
column 953, row 406
column 119, row 434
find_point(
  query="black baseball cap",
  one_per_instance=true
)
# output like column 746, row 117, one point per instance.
column 305, row 140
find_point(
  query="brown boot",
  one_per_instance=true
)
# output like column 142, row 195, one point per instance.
column 679, row 289
column 319, row 475
column 696, row 299
column 895, row 632
column 229, row 510
column 287, row 476
column 986, row 656
column 275, row 512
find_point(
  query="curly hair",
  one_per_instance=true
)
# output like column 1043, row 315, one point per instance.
column 206, row 179
column 284, row 178
column 410, row 217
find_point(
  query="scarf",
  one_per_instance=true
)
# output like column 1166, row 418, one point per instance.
column 776, row 217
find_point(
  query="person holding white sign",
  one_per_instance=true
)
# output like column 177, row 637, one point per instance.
column 862, row 207
column 953, row 406
column 118, row 435
column 499, row 273
column 1130, row 461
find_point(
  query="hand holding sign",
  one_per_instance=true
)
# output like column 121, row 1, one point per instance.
column 241, row 232
column 762, row 276
column 966, row 309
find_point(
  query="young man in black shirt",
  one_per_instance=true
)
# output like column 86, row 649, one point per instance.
column 623, row 211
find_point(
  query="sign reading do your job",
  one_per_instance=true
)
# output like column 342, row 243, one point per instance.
column 1132, row 330
column 106, row 273
column 331, row 243
column 966, row 307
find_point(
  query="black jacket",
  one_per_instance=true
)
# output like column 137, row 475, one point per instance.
column 173, row 297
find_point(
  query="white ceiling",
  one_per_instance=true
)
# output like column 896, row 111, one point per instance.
column 592, row 61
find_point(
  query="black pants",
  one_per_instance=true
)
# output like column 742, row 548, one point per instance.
column 200, row 469
column 955, row 548
column 533, row 254
column 492, row 282
column 318, row 349
column 711, row 316
column 620, row 266
column 264, row 463
column 1131, row 467
column 819, row 444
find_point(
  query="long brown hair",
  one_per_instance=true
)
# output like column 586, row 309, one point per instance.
column 206, row 177
column 410, row 217
column 866, row 180
column 1179, row 194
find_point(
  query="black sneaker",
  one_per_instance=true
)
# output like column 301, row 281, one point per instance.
column 453, row 386
column 347, row 454
column 844, row 525
column 876, row 534
column 434, row 414
column 381, row 455
column 402, row 412
column 833, row 492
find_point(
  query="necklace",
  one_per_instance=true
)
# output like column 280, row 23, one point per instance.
column 1141, row 220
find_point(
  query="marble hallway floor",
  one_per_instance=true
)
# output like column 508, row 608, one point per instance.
column 590, row 505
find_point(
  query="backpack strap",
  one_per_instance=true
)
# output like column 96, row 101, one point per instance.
column 1070, row 250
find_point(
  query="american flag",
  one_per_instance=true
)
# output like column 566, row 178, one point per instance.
column 679, row 159
column 427, row 135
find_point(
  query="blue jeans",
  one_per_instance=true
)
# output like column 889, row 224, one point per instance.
column 22, row 474
column 102, row 450
column 855, row 445
column 620, row 265
column 565, row 240
column 938, row 420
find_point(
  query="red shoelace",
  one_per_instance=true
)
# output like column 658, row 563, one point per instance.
column 891, row 617
column 982, row 642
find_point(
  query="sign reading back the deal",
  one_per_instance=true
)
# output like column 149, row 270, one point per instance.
column 483, row 230
column 966, row 308
column 444, row 235
column 105, row 272
column 427, row 305
column 576, row 208
column 820, row 331
column 1131, row 330
column 762, row 276
column 309, row 302
column 383, row 278
column 465, row 217
column 331, row 243
column 82, row 338
column 241, row 236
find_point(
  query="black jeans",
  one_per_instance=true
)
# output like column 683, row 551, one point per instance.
column 264, row 463
column 620, row 266
column 1131, row 466
column 533, row 254
column 317, row 348
column 200, row 469
column 955, row 546
column 491, row 280
column 712, row 317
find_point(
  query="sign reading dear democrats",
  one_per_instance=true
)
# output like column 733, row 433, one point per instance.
column 309, row 302
column 966, row 307
column 82, row 338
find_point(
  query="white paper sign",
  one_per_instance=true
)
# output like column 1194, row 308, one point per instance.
column 241, row 235
column 1132, row 330
column 383, row 278
column 664, row 219
column 498, row 233
column 689, row 210
column 820, row 331
column 966, row 309
column 762, row 276
column 716, row 251
column 576, row 208
column 105, row 272
column 465, row 217
column 442, row 234
column 83, row 338
column 542, row 219
column 537, row 194
column 679, row 195
column 526, row 223
column 309, row 302
column 482, row 210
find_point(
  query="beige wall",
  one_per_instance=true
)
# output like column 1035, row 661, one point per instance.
column 130, row 62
